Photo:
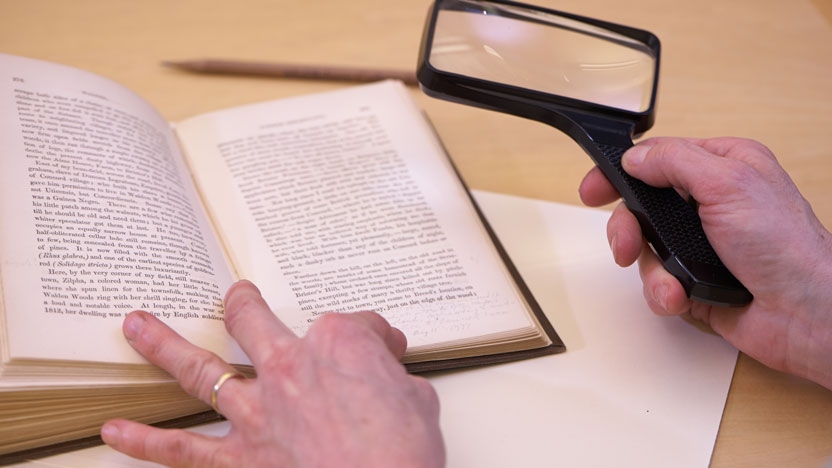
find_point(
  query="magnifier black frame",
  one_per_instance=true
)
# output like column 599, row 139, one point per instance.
column 529, row 103
column 669, row 223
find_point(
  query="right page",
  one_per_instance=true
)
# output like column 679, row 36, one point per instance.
column 346, row 201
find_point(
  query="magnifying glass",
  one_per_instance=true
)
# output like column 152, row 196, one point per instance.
column 595, row 81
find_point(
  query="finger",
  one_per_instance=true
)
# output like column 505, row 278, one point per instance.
column 194, row 368
column 427, row 395
column 169, row 447
column 352, row 343
column 729, row 147
column 393, row 337
column 750, row 151
column 624, row 236
column 253, row 324
column 686, row 165
column 664, row 294
column 596, row 189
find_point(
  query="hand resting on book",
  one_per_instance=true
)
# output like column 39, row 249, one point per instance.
column 761, row 227
column 336, row 397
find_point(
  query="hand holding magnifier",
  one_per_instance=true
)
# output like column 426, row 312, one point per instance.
column 595, row 81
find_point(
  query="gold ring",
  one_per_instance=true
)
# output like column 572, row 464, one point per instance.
column 220, row 381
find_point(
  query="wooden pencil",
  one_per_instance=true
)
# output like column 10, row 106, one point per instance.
column 286, row 70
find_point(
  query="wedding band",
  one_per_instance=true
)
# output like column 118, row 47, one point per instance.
column 220, row 381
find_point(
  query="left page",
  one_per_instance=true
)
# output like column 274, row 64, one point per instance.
column 99, row 217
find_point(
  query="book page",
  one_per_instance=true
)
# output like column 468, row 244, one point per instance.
column 99, row 217
column 345, row 201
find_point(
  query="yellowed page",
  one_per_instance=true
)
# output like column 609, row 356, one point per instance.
column 345, row 201
column 99, row 217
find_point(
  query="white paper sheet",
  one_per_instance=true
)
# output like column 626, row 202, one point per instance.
column 633, row 389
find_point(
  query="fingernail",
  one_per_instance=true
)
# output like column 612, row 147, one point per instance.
column 613, row 247
column 110, row 434
column 133, row 325
column 634, row 156
column 660, row 296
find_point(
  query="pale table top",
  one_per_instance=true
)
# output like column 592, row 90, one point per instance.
column 754, row 68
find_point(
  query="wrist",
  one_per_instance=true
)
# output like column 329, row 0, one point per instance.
column 810, row 334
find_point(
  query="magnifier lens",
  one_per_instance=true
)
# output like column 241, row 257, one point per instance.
column 543, row 52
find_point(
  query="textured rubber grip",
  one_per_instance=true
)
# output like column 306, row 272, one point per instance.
column 674, row 229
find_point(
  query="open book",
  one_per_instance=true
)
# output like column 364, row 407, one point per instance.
column 339, row 201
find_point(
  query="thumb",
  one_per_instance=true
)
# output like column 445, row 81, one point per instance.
column 674, row 162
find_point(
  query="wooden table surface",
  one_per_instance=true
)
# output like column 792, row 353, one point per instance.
column 755, row 68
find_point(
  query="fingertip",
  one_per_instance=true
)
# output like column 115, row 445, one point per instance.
column 635, row 156
column 655, row 298
column 241, row 287
column 168, row 447
column 676, row 299
column 596, row 190
column 624, row 236
column 134, row 324
column 240, row 296
column 659, row 296
column 663, row 292
column 665, row 295
column 622, row 254
column 585, row 188
column 111, row 434
column 125, row 436
column 394, row 338
column 397, row 342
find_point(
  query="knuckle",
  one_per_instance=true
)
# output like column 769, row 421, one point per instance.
column 177, row 448
column 427, row 393
column 276, row 362
column 285, row 374
column 752, row 151
column 326, row 330
column 150, row 346
column 357, row 330
column 328, row 321
column 733, row 179
column 223, row 458
column 149, row 340
column 738, row 172
column 751, row 145
column 237, row 313
column 328, row 326
column 193, row 371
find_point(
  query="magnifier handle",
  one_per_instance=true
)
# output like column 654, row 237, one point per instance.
column 674, row 229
